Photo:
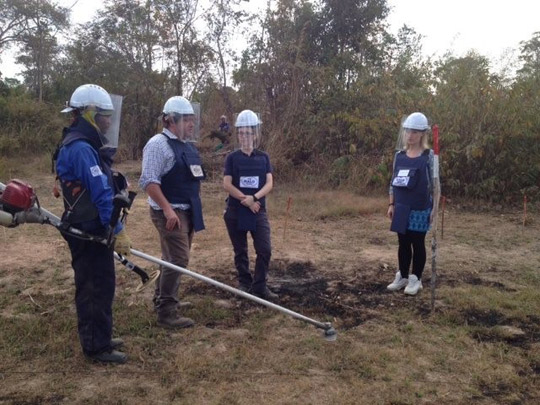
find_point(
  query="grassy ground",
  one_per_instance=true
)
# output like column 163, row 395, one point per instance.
column 332, row 259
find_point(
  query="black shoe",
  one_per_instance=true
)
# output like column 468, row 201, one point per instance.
column 112, row 356
column 267, row 295
column 116, row 343
column 170, row 319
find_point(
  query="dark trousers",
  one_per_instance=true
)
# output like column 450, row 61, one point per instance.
column 93, row 264
column 175, row 249
column 261, row 243
column 412, row 247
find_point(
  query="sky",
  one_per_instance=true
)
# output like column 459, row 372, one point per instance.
column 490, row 27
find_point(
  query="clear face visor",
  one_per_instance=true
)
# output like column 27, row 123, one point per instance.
column 406, row 134
column 110, row 137
column 400, row 141
column 193, row 135
column 187, row 125
column 247, row 138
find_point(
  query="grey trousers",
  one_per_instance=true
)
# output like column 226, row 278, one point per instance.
column 175, row 249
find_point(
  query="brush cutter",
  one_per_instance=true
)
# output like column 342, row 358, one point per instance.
column 19, row 205
column 37, row 214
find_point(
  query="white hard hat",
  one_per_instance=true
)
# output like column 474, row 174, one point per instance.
column 178, row 105
column 416, row 121
column 247, row 118
column 90, row 95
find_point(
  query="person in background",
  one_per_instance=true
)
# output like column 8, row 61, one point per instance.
column 222, row 133
column 83, row 166
column 411, row 201
column 171, row 176
column 248, row 179
column 224, row 125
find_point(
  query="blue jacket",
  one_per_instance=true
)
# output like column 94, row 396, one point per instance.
column 79, row 160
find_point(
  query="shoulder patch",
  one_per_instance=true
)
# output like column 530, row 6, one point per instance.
column 96, row 171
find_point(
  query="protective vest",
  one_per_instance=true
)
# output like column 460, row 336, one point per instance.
column 182, row 184
column 77, row 200
column 249, row 176
column 410, row 186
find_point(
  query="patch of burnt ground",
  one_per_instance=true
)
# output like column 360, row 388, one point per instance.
column 303, row 288
column 493, row 326
column 453, row 281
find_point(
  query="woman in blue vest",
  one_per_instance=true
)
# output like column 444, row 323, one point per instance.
column 411, row 201
column 248, row 179
column 171, row 176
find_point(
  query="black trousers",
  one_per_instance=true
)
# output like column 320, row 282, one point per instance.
column 261, row 243
column 412, row 247
column 93, row 264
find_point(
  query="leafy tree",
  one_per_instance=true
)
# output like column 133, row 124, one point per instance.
column 530, row 56
column 33, row 24
column 13, row 21
column 221, row 18
column 39, row 45
column 187, row 55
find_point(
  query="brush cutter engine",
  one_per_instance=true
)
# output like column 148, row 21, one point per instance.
column 17, row 196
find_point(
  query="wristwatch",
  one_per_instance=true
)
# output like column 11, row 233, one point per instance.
column 255, row 199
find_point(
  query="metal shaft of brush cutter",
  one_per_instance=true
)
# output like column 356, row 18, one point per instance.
column 322, row 325
column 329, row 332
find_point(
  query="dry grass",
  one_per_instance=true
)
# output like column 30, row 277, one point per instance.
column 333, row 256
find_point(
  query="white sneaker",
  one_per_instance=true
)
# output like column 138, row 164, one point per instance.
column 398, row 283
column 414, row 285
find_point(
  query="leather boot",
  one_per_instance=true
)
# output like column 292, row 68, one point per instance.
column 171, row 319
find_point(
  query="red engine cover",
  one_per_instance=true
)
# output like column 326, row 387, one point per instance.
column 17, row 196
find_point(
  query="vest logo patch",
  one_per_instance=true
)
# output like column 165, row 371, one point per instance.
column 196, row 170
column 96, row 171
column 249, row 181
column 401, row 181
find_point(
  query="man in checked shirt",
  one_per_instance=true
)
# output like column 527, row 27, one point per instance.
column 171, row 176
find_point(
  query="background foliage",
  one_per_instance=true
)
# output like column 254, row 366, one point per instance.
column 331, row 82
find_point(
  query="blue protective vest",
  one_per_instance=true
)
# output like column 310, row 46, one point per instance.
column 410, row 186
column 249, row 176
column 182, row 184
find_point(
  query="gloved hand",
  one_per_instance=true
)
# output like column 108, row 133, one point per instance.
column 122, row 243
